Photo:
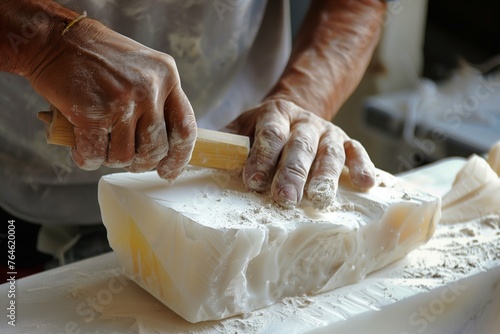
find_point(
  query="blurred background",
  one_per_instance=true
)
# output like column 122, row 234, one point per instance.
column 433, row 87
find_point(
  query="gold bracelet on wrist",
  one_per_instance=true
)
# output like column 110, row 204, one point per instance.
column 78, row 18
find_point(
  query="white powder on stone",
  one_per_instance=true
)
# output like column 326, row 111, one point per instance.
column 457, row 250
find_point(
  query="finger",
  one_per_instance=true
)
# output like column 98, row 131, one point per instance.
column 181, row 125
column 296, row 160
column 121, row 146
column 361, row 168
column 91, row 146
column 151, row 143
column 326, row 170
column 271, row 134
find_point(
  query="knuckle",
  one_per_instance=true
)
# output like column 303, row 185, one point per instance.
column 145, row 160
column 189, row 128
column 334, row 132
column 88, row 163
column 273, row 134
column 149, row 153
column 91, row 142
column 297, row 169
column 288, row 110
column 333, row 150
column 354, row 145
column 169, row 62
column 282, row 104
column 119, row 160
column 151, row 142
column 303, row 144
column 167, row 171
column 165, row 69
column 161, row 57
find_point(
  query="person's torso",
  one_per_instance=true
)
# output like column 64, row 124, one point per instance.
column 216, row 46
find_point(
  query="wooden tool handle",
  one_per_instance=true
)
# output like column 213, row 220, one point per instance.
column 212, row 149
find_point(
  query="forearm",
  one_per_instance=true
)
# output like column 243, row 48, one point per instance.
column 29, row 30
column 331, row 53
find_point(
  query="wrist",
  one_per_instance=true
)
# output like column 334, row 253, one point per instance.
column 33, row 29
column 331, row 52
column 305, row 95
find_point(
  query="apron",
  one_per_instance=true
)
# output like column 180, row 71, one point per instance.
column 229, row 54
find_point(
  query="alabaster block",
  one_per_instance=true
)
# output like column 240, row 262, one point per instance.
column 209, row 249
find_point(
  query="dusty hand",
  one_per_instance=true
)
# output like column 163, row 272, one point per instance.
column 295, row 150
column 124, row 99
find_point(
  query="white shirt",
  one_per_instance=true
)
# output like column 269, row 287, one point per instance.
column 229, row 54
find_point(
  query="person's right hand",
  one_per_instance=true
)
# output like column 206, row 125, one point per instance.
column 124, row 99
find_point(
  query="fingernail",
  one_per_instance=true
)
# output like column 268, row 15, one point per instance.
column 258, row 181
column 288, row 196
column 365, row 180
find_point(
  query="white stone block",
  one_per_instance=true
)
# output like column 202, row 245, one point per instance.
column 494, row 157
column 208, row 249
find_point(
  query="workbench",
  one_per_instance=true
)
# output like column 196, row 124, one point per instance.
column 93, row 296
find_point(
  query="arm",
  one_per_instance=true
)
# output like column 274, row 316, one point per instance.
column 296, row 148
column 124, row 99
column 331, row 53
column 27, row 27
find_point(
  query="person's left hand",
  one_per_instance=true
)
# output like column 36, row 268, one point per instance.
column 293, row 150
